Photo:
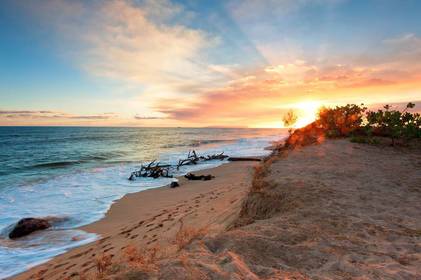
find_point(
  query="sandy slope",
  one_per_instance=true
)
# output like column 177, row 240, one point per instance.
column 146, row 218
column 347, row 211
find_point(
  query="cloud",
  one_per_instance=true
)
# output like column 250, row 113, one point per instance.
column 152, row 47
column 407, row 42
column 266, row 93
column 143, row 42
column 138, row 117
column 146, row 48
column 257, row 9
column 26, row 114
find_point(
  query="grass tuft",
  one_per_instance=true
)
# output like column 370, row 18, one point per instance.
column 185, row 235
column 143, row 260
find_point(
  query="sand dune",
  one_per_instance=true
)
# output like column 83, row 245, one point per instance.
column 345, row 211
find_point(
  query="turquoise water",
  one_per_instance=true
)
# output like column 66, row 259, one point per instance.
column 77, row 172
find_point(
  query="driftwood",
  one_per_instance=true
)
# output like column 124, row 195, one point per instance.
column 153, row 170
column 243, row 159
column 220, row 156
column 193, row 158
column 191, row 176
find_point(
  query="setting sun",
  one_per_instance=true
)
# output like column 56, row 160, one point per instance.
column 306, row 112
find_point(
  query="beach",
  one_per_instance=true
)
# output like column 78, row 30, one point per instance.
column 154, row 216
column 78, row 173
column 335, row 210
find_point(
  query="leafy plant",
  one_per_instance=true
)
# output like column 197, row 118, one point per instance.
column 394, row 124
column 289, row 119
column 341, row 120
column 356, row 121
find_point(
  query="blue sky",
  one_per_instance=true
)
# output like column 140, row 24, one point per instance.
column 154, row 63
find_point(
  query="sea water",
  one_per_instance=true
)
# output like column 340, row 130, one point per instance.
column 77, row 172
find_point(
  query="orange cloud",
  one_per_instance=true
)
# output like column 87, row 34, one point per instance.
column 263, row 97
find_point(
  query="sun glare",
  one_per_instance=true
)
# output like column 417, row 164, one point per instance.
column 307, row 112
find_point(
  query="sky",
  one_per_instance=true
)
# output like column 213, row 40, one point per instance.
column 233, row 63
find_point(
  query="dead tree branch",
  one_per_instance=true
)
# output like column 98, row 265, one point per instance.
column 155, row 170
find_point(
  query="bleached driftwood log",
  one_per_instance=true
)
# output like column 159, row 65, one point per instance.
column 153, row 170
column 156, row 170
column 193, row 158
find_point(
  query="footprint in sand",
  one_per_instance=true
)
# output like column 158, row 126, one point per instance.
column 86, row 264
column 60, row 265
column 102, row 240
column 106, row 245
column 109, row 249
column 152, row 241
column 70, row 266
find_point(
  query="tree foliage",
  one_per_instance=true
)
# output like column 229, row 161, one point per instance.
column 351, row 120
column 341, row 120
column 290, row 118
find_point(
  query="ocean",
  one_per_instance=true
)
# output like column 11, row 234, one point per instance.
column 77, row 172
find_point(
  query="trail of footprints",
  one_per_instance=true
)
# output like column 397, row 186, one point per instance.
column 170, row 218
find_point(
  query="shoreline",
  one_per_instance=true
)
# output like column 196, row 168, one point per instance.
column 254, row 147
column 302, row 214
column 233, row 180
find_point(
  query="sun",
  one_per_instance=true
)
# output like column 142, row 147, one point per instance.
column 307, row 112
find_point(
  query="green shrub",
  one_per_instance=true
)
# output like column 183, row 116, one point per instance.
column 354, row 120
column 394, row 124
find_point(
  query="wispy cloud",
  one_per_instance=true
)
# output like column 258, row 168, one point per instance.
column 26, row 114
column 139, row 117
column 142, row 42
column 263, row 95
column 159, row 51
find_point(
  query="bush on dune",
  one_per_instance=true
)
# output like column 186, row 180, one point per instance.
column 341, row 120
column 394, row 124
column 360, row 124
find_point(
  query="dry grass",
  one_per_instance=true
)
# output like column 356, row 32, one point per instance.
column 260, row 172
column 185, row 235
column 264, row 198
column 102, row 263
column 143, row 260
column 192, row 272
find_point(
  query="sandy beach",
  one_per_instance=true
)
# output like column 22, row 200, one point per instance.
column 153, row 217
column 337, row 210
